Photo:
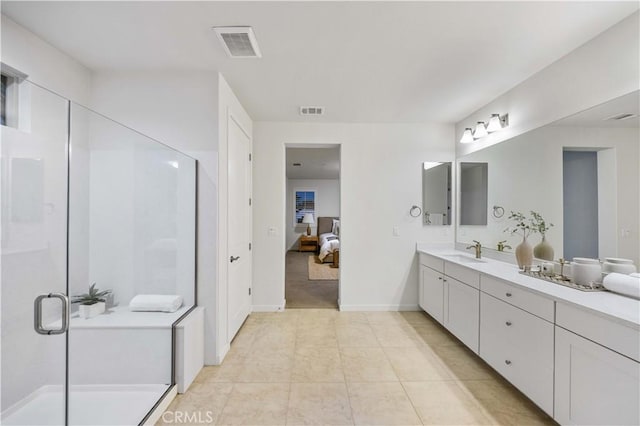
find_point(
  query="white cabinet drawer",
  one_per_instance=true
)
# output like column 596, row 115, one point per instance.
column 620, row 338
column 530, row 302
column 432, row 262
column 462, row 274
column 520, row 347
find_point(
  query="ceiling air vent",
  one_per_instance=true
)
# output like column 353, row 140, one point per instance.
column 623, row 116
column 311, row 110
column 238, row 42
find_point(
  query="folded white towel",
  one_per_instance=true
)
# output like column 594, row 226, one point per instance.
column 155, row 303
column 623, row 284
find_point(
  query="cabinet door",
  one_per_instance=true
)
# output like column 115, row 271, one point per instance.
column 432, row 293
column 593, row 384
column 462, row 311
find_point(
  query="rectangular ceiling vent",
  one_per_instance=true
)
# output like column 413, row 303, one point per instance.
column 311, row 110
column 238, row 42
column 619, row 117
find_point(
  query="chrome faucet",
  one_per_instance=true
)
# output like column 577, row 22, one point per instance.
column 502, row 245
column 478, row 248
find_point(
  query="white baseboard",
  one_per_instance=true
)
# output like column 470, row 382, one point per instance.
column 379, row 308
column 269, row 308
column 223, row 353
column 161, row 407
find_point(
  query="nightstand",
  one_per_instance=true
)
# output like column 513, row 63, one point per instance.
column 308, row 243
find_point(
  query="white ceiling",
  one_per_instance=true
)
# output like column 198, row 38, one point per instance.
column 363, row 61
column 316, row 163
column 598, row 115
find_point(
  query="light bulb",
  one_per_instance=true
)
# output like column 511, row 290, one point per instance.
column 494, row 123
column 467, row 136
column 481, row 130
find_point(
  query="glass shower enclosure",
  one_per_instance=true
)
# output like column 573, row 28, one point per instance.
column 86, row 200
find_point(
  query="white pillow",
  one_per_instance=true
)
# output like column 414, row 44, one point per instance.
column 335, row 228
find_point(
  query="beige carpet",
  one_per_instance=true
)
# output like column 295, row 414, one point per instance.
column 321, row 271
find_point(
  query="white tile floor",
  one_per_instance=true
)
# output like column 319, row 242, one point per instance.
column 343, row 368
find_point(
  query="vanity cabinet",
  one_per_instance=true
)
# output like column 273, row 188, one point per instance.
column 452, row 302
column 577, row 363
column 519, row 345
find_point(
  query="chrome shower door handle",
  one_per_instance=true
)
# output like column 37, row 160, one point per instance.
column 37, row 314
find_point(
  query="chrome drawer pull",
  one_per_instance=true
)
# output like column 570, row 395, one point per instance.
column 508, row 294
column 507, row 362
column 508, row 323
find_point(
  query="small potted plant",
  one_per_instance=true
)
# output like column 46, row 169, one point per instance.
column 523, row 227
column 91, row 304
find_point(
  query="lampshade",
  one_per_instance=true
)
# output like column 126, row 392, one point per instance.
column 494, row 123
column 308, row 218
column 467, row 136
column 480, row 131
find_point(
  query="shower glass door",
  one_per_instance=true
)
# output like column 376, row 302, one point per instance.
column 34, row 256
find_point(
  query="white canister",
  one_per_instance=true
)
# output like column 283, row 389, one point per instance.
column 621, row 266
column 585, row 270
column 548, row 269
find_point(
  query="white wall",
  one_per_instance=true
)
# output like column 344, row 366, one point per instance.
column 187, row 110
column 602, row 69
column 381, row 178
column 327, row 204
column 44, row 64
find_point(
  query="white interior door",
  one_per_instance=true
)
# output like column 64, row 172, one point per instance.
column 239, row 230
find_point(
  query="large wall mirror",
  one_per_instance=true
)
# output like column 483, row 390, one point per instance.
column 473, row 193
column 580, row 173
column 436, row 193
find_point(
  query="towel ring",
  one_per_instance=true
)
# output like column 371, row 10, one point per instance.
column 413, row 210
column 498, row 212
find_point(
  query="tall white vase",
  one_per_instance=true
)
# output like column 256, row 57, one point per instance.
column 524, row 253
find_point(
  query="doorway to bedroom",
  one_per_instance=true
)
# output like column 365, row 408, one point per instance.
column 312, row 260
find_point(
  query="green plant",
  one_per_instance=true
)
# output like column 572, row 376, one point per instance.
column 523, row 226
column 539, row 223
column 94, row 296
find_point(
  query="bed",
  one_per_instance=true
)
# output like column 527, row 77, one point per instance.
column 329, row 240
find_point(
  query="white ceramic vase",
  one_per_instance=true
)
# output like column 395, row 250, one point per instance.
column 543, row 250
column 524, row 253
column 90, row 311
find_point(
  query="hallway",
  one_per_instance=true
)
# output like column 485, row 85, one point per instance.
column 300, row 291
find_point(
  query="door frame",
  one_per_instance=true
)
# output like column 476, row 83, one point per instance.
column 285, row 209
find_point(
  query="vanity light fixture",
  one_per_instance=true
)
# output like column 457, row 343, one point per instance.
column 480, row 131
column 467, row 136
column 497, row 122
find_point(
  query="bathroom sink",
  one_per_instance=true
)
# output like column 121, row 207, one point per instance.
column 463, row 259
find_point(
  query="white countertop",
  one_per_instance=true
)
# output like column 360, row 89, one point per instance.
column 624, row 310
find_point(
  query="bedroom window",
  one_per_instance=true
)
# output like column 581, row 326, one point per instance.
column 305, row 202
